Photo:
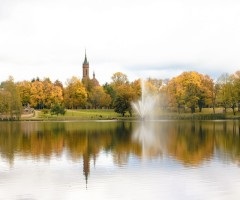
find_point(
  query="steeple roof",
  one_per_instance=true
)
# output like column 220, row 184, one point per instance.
column 85, row 60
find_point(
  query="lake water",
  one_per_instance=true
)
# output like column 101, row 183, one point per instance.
column 120, row 160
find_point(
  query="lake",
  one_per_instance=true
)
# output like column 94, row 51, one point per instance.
column 120, row 160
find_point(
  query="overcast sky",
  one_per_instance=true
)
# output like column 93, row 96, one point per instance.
column 141, row 38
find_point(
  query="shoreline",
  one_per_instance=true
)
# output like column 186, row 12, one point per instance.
column 171, row 117
column 110, row 115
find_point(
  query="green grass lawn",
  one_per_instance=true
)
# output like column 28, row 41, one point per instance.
column 92, row 113
column 206, row 114
column 80, row 114
column 109, row 114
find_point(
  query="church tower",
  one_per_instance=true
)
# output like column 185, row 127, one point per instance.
column 85, row 72
column 85, row 67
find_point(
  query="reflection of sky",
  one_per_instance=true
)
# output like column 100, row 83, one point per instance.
column 160, row 178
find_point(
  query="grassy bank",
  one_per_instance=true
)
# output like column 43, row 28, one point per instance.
column 81, row 114
column 206, row 114
column 109, row 114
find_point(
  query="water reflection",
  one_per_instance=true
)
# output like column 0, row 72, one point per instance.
column 148, row 136
column 190, row 143
column 93, row 160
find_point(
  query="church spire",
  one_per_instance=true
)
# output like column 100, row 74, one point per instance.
column 85, row 67
column 85, row 60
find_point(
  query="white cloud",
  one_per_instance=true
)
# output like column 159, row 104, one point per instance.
column 48, row 38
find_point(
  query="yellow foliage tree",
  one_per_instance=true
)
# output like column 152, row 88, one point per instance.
column 24, row 88
column 75, row 94
column 99, row 98
column 37, row 94
column 190, row 89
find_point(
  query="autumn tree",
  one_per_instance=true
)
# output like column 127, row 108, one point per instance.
column 108, row 88
column 58, row 83
column 236, row 82
column 163, row 98
column 175, row 94
column 37, row 95
column 88, row 84
column 119, row 78
column 75, row 94
column 5, row 98
column 47, row 94
column 124, row 93
column 24, row 88
column 163, row 95
column 53, row 94
column 10, row 99
column 189, row 89
column 41, row 93
column 136, row 86
column 227, row 95
column 99, row 98
column 155, row 84
column 213, row 91
column 207, row 92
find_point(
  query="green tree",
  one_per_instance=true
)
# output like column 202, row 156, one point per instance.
column 108, row 88
column 125, row 96
column 57, row 109
column 121, row 105
column 125, row 93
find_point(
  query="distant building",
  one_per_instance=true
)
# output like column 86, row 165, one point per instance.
column 85, row 73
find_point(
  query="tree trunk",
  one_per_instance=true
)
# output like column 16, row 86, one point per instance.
column 130, row 113
column 193, row 109
column 213, row 109
column 233, row 108
column 179, row 108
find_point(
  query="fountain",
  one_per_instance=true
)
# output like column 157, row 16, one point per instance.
column 145, row 108
column 146, row 105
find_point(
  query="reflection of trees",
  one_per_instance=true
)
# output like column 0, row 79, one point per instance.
column 228, row 140
column 189, row 142
column 123, row 146
column 80, row 140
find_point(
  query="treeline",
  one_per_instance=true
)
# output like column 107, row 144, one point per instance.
column 189, row 90
column 194, row 90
